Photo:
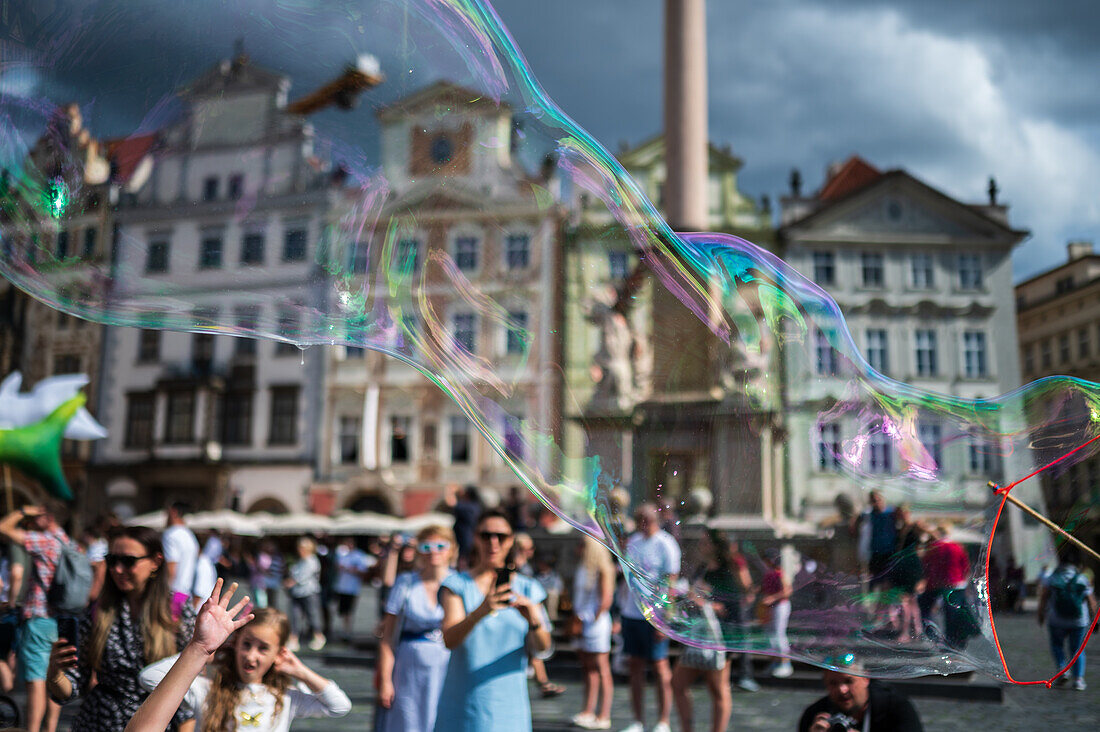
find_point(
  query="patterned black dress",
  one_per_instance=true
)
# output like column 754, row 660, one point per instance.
column 116, row 697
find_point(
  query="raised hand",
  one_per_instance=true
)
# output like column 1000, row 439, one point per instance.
column 216, row 620
column 288, row 663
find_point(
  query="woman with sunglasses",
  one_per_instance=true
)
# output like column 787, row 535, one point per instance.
column 491, row 616
column 129, row 627
column 412, row 659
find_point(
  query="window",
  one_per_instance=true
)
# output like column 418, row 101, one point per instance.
column 236, row 186
column 1083, row 343
column 349, row 440
column 237, row 417
column 1029, row 359
column 288, row 328
column 1048, row 360
column 872, row 268
column 880, row 454
column 139, row 420
column 63, row 244
column 284, row 415
column 828, row 448
column 517, row 337
column 248, row 317
column 1063, row 348
column 466, row 253
column 354, row 353
column 970, row 271
column 926, row 353
column 517, row 250
column 66, row 363
column 974, row 357
column 400, row 431
column 252, row 248
column 181, row 417
column 294, row 244
column 202, row 351
column 826, row 363
column 156, row 258
column 1063, row 285
column 148, row 346
column 465, row 331
column 921, row 275
column 824, row 268
column 408, row 255
column 876, row 350
column 618, row 265
column 513, row 436
column 930, row 435
column 210, row 188
column 460, row 439
column 90, row 235
column 983, row 457
column 210, row 256
column 63, row 320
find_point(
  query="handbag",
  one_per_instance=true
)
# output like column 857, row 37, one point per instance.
column 707, row 659
column 575, row 627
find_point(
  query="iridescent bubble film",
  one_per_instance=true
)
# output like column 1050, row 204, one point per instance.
column 389, row 176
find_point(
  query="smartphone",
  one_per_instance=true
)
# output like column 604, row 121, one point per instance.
column 69, row 628
column 504, row 576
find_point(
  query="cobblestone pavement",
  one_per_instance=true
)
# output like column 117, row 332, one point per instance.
column 1023, row 708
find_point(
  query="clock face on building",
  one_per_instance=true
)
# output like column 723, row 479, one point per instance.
column 442, row 150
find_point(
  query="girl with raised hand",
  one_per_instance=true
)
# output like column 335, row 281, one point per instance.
column 253, row 682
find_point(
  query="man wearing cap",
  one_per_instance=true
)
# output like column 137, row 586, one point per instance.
column 870, row 706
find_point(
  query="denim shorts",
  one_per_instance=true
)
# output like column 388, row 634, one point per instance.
column 639, row 640
column 35, row 643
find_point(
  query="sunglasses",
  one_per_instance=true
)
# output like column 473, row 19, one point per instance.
column 490, row 535
column 438, row 546
column 126, row 561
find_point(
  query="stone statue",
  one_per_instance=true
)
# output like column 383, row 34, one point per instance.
column 612, row 365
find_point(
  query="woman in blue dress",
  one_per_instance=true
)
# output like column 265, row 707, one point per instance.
column 487, row 625
column 412, row 659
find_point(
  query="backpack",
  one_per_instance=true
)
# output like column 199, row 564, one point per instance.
column 1068, row 595
column 72, row 581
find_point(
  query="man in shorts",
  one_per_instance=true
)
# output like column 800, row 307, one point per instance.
column 42, row 541
column 657, row 556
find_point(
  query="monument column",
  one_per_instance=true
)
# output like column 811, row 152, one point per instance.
column 685, row 111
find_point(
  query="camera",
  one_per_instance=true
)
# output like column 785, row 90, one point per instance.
column 841, row 723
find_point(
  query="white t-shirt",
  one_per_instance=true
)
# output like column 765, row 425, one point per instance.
column 256, row 707
column 206, row 576
column 97, row 551
column 349, row 562
column 657, row 556
column 181, row 547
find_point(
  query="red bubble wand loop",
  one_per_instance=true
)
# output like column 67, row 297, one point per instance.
column 1005, row 493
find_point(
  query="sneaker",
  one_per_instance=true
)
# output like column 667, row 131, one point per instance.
column 636, row 727
column 317, row 643
column 783, row 671
column 598, row 723
column 1079, row 683
column 662, row 727
column 748, row 684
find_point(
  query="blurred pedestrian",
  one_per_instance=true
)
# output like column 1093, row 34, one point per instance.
column 656, row 556
column 547, row 576
column 1067, row 606
column 593, row 594
column 304, row 587
column 181, row 553
column 523, row 549
column 352, row 565
column 412, row 660
column 775, row 597
column 491, row 614
column 131, row 626
column 947, row 579
column 878, row 538
column 466, row 505
column 907, row 573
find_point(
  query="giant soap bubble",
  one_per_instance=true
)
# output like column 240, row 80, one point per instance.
column 388, row 175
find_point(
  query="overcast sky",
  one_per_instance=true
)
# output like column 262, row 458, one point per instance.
column 954, row 91
column 951, row 90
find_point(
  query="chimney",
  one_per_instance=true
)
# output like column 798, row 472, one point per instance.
column 1078, row 249
column 685, row 112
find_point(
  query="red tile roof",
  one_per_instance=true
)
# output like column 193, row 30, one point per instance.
column 128, row 152
column 854, row 174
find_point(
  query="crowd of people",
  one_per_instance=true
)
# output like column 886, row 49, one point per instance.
column 467, row 615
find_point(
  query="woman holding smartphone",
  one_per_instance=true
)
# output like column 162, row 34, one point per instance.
column 129, row 627
column 490, row 616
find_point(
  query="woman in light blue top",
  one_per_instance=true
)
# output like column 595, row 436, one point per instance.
column 487, row 624
column 412, row 659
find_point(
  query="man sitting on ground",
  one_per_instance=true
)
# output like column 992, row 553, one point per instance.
column 868, row 706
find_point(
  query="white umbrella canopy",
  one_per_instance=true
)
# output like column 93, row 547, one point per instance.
column 153, row 520
column 225, row 520
column 365, row 523
column 414, row 524
column 298, row 522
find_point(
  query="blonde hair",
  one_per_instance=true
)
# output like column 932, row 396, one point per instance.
column 307, row 543
column 442, row 532
column 225, row 691
column 596, row 560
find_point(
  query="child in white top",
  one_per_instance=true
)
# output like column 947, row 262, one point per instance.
column 256, row 681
